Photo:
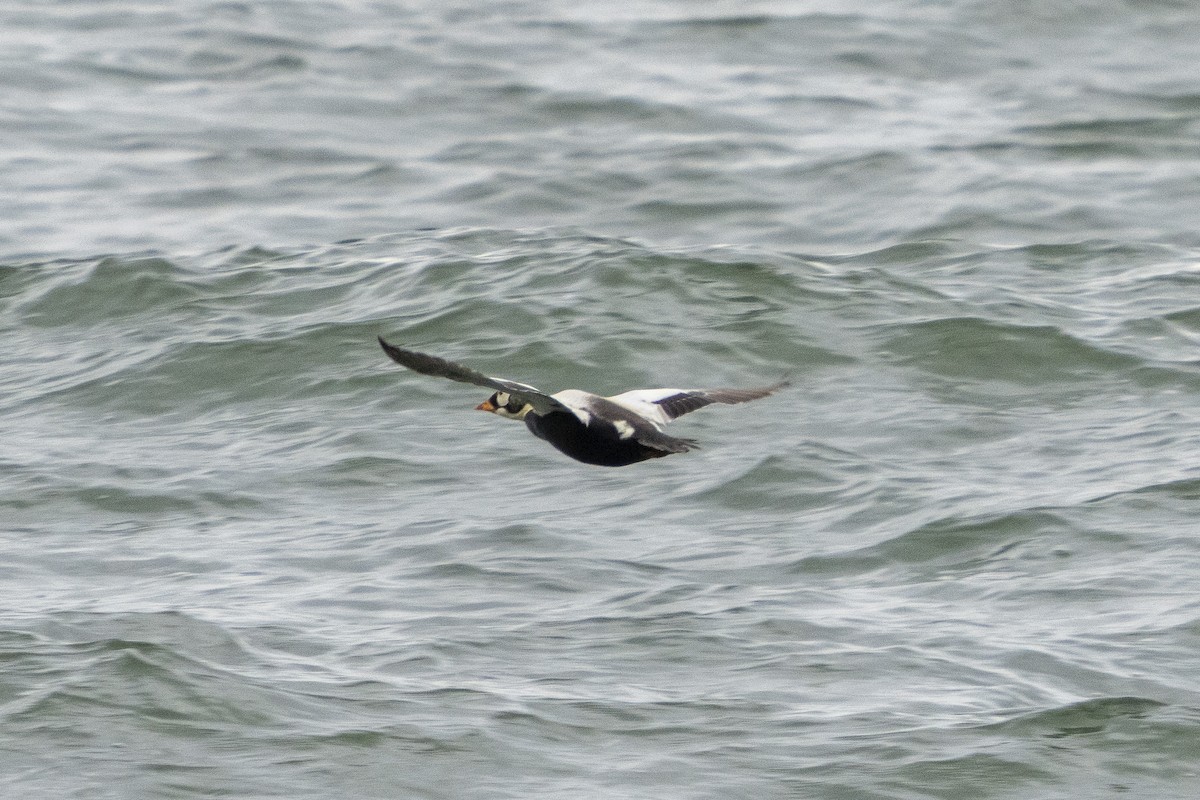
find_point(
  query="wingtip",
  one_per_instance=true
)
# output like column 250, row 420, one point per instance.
column 782, row 383
column 387, row 346
column 390, row 349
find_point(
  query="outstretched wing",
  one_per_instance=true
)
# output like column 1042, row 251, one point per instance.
column 441, row 368
column 664, row 405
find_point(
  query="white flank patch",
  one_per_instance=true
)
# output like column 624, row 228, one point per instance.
column 624, row 429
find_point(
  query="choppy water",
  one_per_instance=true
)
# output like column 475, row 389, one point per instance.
column 243, row 555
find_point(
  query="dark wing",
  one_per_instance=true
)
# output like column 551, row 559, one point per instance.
column 441, row 368
column 629, row 424
column 664, row 405
column 686, row 402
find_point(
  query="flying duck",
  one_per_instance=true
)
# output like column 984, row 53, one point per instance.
column 606, row 431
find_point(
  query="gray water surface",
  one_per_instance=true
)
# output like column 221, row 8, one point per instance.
column 244, row 555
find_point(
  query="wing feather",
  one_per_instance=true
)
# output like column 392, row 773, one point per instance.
column 640, row 428
column 427, row 364
column 664, row 405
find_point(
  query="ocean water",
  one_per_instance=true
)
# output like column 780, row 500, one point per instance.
column 244, row 555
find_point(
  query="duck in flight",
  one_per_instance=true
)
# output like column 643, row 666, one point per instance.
column 607, row 431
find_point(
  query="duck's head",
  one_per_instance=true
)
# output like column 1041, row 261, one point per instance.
column 503, row 404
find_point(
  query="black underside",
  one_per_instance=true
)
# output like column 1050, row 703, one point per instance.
column 592, row 444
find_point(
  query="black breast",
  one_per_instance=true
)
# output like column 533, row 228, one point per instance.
column 597, row 443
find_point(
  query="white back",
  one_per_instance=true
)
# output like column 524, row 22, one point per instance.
column 643, row 403
column 577, row 401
